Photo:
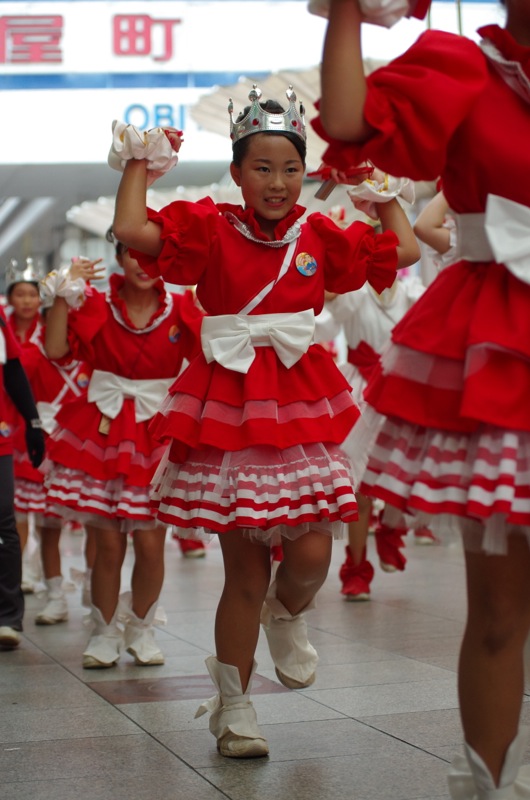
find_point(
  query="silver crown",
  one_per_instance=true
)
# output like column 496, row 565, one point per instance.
column 28, row 271
column 258, row 121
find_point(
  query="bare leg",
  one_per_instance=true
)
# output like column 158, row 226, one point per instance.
column 148, row 571
column 49, row 549
column 90, row 546
column 111, row 545
column 247, row 575
column 491, row 669
column 23, row 532
column 358, row 530
column 303, row 570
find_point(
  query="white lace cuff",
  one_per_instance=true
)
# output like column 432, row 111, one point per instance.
column 58, row 283
column 152, row 146
column 378, row 12
column 366, row 196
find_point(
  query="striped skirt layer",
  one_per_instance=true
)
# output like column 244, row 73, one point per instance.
column 73, row 494
column 483, row 475
column 280, row 492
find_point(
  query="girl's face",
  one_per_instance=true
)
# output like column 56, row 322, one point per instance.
column 270, row 177
column 25, row 300
column 134, row 275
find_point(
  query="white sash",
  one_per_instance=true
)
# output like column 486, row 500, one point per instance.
column 502, row 234
column 3, row 349
column 270, row 286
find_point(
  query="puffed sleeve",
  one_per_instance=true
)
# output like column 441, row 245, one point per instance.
column 83, row 325
column 187, row 232
column 356, row 255
column 414, row 105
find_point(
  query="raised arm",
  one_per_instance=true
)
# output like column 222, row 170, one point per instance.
column 131, row 224
column 343, row 83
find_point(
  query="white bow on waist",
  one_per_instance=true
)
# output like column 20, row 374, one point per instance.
column 108, row 392
column 230, row 339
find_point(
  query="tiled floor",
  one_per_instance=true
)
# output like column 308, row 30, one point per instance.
column 381, row 720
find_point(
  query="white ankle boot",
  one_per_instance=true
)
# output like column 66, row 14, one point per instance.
column 470, row 779
column 233, row 718
column 56, row 609
column 294, row 657
column 139, row 635
column 105, row 644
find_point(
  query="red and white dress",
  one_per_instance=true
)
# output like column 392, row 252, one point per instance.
column 52, row 384
column 455, row 385
column 9, row 348
column 256, row 420
column 102, row 454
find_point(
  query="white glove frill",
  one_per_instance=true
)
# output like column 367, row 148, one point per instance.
column 58, row 283
column 130, row 143
column 378, row 12
column 368, row 194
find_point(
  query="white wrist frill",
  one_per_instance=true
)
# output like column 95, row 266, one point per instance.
column 368, row 194
column 58, row 283
column 152, row 146
column 378, row 12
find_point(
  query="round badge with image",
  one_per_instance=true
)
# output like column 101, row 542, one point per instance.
column 306, row 264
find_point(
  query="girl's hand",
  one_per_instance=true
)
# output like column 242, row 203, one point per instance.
column 86, row 269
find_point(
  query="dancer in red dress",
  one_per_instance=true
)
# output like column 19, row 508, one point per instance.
column 455, row 384
column 254, row 423
column 15, row 385
column 135, row 339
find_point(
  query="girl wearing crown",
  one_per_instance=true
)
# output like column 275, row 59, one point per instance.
column 455, row 384
column 52, row 385
column 13, row 383
column 255, row 422
column 102, row 456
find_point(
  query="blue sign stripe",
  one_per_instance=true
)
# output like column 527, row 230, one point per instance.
column 123, row 80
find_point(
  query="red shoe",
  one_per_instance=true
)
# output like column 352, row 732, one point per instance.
column 191, row 548
column 424, row 536
column 388, row 543
column 276, row 552
column 356, row 578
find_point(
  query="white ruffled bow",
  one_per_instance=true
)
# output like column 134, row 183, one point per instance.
column 128, row 142
column 378, row 12
column 230, row 339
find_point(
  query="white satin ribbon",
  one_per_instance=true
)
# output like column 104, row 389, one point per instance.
column 47, row 412
column 502, row 234
column 508, row 230
column 230, row 339
column 108, row 392
column 3, row 350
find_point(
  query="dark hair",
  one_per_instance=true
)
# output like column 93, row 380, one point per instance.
column 119, row 246
column 239, row 148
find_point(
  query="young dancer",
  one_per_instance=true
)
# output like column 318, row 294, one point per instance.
column 367, row 319
column 454, row 386
column 13, row 384
column 436, row 227
column 255, row 421
column 102, row 455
